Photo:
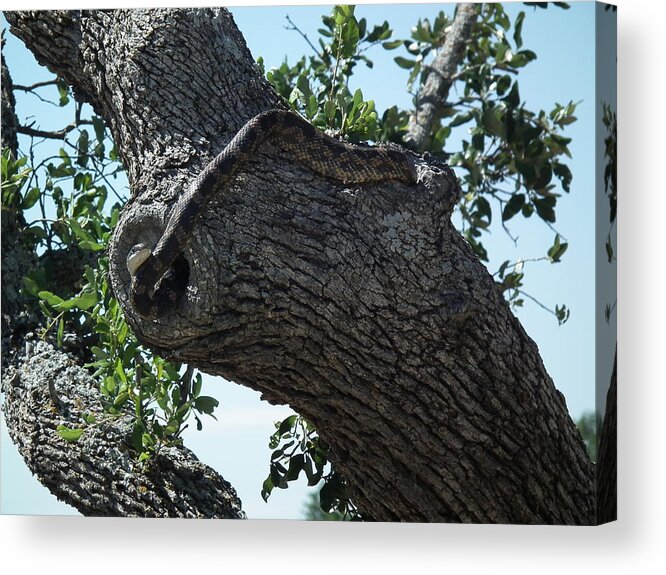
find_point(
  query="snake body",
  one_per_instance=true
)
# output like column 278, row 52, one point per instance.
column 152, row 272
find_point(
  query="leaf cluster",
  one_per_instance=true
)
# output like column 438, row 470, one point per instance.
column 68, row 218
column 510, row 156
column 297, row 449
column 317, row 86
column 609, row 119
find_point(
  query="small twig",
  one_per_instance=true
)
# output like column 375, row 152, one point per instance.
column 59, row 135
column 536, row 301
column 34, row 86
column 508, row 233
column 42, row 99
column 528, row 260
column 305, row 37
column 554, row 229
column 334, row 78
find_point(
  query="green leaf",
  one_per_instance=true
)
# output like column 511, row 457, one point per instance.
column 287, row 424
column 99, row 352
column 69, row 434
column 461, row 119
column 91, row 246
column 61, row 330
column 86, row 300
column 518, row 29
column 493, row 122
column 543, row 178
column 50, row 298
column 296, row 464
column 31, row 286
column 392, row 44
column 502, row 268
column 79, row 232
column 483, row 209
column 311, row 107
column 196, row 386
column 404, row 62
column 557, row 250
column 172, row 428
column 562, row 314
column 513, row 206
column 37, row 231
column 327, row 496
column 609, row 250
column 98, row 125
column 121, row 399
column 147, row 440
column 63, row 91
column 544, row 207
column 266, row 489
column 89, row 418
column 30, row 198
column 513, row 97
column 564, row 174
column 206, row 404
column 526, row 169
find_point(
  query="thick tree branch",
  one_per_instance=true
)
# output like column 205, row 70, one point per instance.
column 97, row 474
column 435, row 90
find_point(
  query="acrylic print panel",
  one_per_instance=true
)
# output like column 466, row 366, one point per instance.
column 404, row 332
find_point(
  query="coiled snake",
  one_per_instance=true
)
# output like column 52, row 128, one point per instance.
column 321, row 153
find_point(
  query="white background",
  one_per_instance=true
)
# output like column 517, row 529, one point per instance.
column 634, row 543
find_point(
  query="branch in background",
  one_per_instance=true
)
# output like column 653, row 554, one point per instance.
column 293, row 26
column 441, row 77
column 35, row 86
column 57, row 135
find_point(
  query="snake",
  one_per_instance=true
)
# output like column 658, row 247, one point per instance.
column 156, row 280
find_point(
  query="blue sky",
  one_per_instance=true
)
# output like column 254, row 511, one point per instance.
column 564, row 41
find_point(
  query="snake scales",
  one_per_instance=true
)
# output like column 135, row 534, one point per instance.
column 152, row 291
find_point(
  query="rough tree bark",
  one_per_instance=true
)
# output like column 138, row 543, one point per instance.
column 363, row 309
column 607, row 461
column 434, row 92
column 45, row 388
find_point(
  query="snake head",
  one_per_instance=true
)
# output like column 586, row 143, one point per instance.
column 136, row 257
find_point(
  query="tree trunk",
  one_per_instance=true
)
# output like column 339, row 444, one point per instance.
column 362, row 308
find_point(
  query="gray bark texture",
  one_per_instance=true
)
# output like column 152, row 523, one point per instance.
column 434, row 92
column 45, row 388
column 362, row 308
column 96, row 474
